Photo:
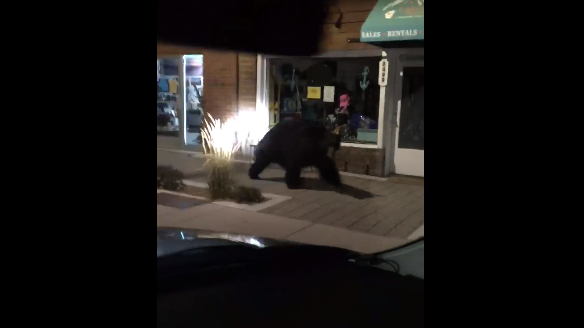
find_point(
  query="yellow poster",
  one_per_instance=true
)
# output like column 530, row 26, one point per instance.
column 313, row 92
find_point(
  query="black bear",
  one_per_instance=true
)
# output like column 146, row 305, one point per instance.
column 294, row 145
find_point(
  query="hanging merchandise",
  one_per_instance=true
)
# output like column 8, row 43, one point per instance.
column 343, row 111
column 192, row 96
column 298, row 100
column 293, row 80
column 330, row 122
column 364, row 83
column 163, row 84
column 157, row 70
column 173, row 86
column 279, row 82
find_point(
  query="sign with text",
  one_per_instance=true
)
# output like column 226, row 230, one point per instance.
column 313, row 93
column 329, row 94
column 383, row 71
column 394, row 20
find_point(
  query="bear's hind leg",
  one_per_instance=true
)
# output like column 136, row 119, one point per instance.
column 328, row 170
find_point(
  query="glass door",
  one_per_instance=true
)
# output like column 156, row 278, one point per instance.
column 409, row 141
column 168, row 101
column 193, row 106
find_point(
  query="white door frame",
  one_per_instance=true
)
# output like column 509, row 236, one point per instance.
column 263, row 94
column 396, row 59
column 401, row 157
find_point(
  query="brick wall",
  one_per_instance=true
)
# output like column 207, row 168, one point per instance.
column 367, row 161
column 170, row 49
column 220, row 91
column 247, row 81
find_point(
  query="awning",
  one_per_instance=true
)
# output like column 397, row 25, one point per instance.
column 394, row 20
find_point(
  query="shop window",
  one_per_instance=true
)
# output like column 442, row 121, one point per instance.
column 193, row 98
column 339, row 93
column 180, row 92
column 168, row 97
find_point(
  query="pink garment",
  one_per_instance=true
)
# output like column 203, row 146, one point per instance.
column 343, row 103
column 342, row 110
column 344, row 100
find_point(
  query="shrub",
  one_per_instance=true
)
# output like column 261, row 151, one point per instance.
column 219, row 180
column 169, row 178
column 220, row 145
column 243, row 194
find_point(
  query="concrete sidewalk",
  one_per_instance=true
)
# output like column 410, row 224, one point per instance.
column 390, row 207
column 225, row 219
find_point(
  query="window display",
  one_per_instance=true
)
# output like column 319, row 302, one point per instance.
column 194, row 97
column 180, row 91
column 168, row 97
column 340, row 93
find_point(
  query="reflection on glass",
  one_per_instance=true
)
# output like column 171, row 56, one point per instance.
column 167, row 97
column 340, row 93
column 194, row 98
column 411, row 121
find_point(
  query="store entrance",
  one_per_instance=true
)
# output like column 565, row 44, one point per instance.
column 193, row 109
column 179, row 102
column 409, row 141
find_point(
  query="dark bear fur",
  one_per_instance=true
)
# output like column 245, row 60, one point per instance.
column 294, row 145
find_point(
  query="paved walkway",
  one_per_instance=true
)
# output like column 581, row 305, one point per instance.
column 393, row 208
column 218, row 218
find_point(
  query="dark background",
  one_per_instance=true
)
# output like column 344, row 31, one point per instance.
column 80, row 247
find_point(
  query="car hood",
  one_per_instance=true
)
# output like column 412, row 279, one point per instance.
column 171, row 240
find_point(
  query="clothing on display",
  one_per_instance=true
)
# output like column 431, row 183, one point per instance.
column 344, row 104
column 345, row 110
column 157, row 70
column 179, row 97
column 163, row 84
column 173, row 86
column 192, row 97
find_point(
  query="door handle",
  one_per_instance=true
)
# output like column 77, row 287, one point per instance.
column 397, row 112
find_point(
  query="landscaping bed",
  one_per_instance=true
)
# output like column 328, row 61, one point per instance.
column 171, row 179
column 196, row 191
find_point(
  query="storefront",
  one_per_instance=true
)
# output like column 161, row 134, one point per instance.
column 192, row 82
column 369, row 88
column 370, row 52
column 180, row 86
column 398, row 26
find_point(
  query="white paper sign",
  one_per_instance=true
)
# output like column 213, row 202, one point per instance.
column 383, row 71
column 329, row 94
